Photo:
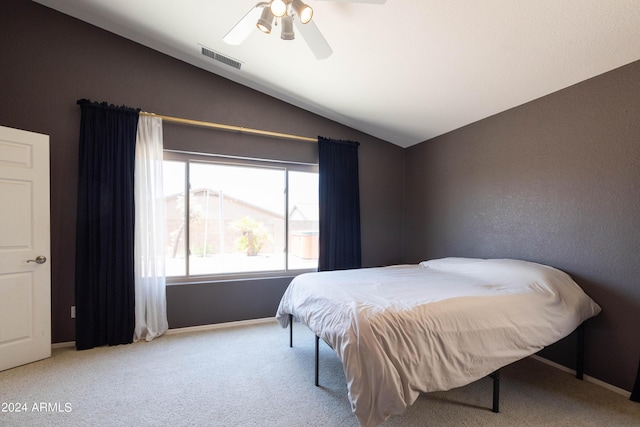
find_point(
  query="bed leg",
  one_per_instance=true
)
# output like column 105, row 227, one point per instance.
column 291, row 330
column 496, row 391
column 580, row 353
column 317, row 358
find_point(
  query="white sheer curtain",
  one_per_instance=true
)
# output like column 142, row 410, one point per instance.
column 150, row 283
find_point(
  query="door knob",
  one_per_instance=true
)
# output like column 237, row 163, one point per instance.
column 39, row 259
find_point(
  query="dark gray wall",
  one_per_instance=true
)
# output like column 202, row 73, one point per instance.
column 555, row 181
column 49, row 60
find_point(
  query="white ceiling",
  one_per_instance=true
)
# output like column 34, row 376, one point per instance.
column 404, row 71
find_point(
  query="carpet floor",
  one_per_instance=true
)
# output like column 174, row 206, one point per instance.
column 248, row 376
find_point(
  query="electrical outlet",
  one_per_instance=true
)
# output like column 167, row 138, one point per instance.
column 73, row 311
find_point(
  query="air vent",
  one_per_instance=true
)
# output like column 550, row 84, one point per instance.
column 221, row 58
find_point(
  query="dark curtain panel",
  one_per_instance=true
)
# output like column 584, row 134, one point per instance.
column 635, row 394
column 339, row 239
column 105, row 293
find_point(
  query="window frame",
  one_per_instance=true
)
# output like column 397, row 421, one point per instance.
column 190, row 157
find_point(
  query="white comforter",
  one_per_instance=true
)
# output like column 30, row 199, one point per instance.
column 433, row 326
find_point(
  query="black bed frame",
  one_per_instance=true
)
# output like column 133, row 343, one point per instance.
column 495, row 376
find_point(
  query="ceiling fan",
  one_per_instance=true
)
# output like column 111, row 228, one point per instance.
column 287, row 12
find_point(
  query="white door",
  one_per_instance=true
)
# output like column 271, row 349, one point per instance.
column 25, row 268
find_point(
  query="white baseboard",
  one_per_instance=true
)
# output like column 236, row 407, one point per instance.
column 63, row 344
column 608, row 386
column 220, row 325
column 190, row 329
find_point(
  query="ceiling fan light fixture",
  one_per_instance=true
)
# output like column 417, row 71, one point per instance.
column 278, row 8
column 265, row 22
column 287, row 28
column 303, row 10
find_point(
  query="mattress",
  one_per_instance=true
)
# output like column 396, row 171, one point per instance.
column 405, row 329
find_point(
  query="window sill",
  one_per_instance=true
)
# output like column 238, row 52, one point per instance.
column 176, row 281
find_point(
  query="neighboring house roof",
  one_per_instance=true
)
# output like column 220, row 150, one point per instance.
column 299, row 212
column 201, row 192
column 305, row 211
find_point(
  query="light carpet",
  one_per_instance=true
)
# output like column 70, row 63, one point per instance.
column 248, row 376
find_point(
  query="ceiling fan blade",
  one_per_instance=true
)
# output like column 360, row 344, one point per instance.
column 314, row 38
column 358, row 1
column 243, row 28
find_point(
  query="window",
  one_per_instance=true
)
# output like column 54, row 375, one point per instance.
column 230, row 218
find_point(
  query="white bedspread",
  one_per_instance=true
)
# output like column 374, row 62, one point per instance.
column 434, row 326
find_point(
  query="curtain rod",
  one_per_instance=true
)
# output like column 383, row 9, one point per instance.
column 230, row 127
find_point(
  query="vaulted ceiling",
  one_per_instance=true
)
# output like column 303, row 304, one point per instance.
column 404, row 71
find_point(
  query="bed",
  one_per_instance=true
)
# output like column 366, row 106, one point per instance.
column 444, row 323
